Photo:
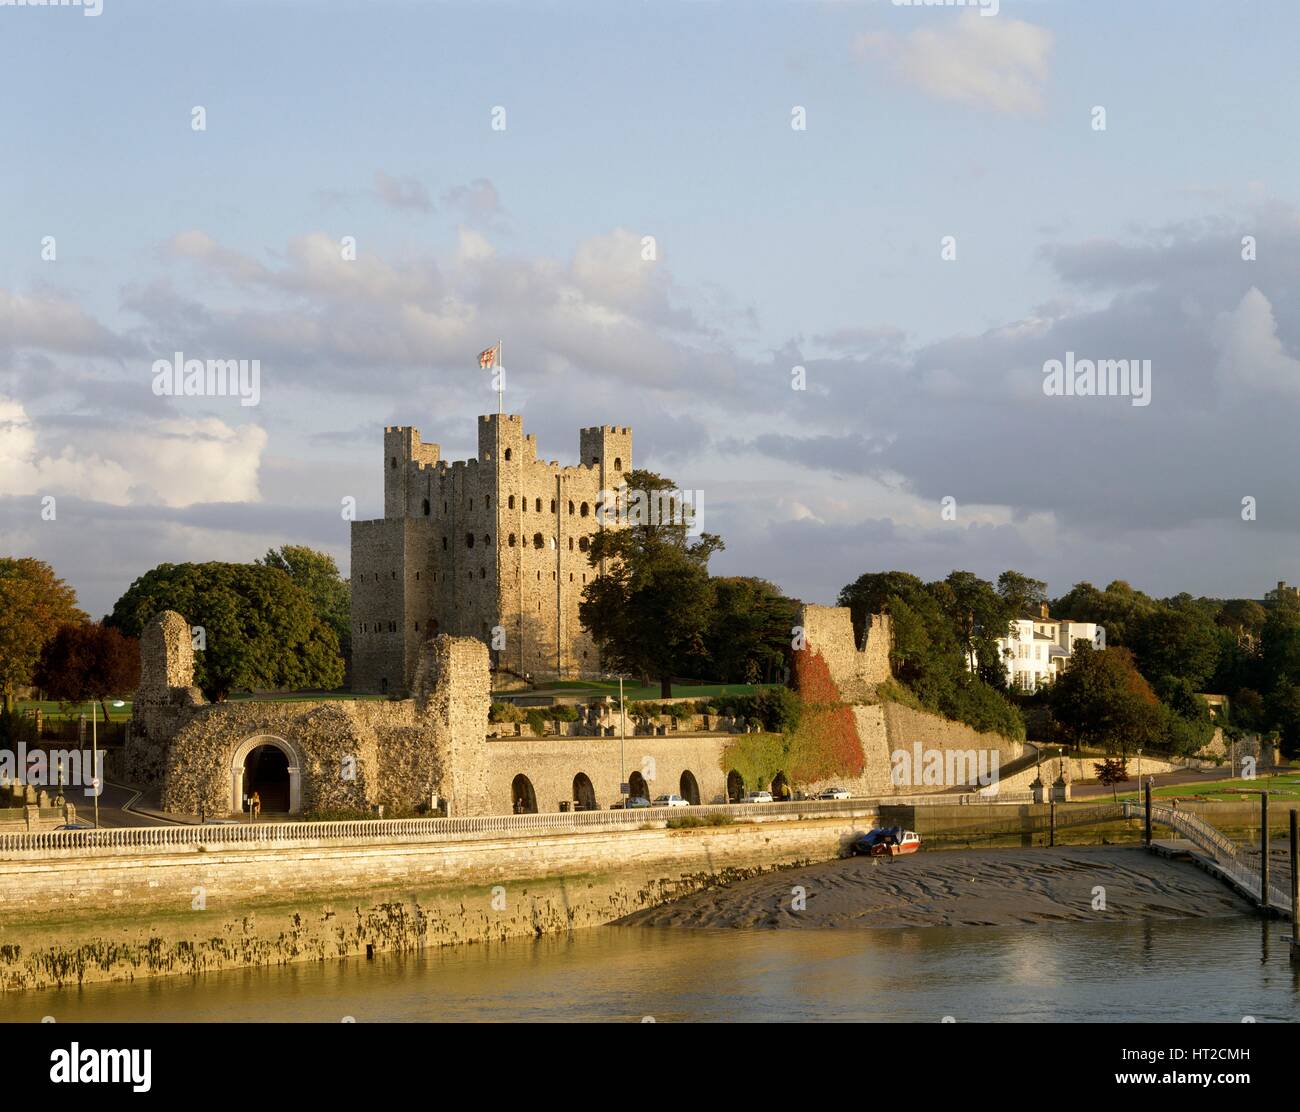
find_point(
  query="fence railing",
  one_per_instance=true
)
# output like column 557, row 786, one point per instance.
column 1227, row 855
column 283, row 834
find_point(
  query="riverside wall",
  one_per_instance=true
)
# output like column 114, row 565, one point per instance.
column 68, row 920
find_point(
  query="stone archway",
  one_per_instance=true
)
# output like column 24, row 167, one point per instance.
column 584, row 794
column 689, row 789
column 636, row 786
column 735, row 787
column 523, row 800
column 272, row 763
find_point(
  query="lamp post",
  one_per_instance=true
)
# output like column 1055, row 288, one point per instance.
column 622, row 740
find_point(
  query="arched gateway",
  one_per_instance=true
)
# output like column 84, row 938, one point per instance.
column 270, row 766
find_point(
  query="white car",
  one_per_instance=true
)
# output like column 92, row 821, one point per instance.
column 833, row 793
column 758, row 797
column 670, row 801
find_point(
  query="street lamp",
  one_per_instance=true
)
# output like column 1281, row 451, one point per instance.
column 622, row 740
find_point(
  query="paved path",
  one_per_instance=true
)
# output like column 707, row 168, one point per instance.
column 114, row 804
column 1190, row 777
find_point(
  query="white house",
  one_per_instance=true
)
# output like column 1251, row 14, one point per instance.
column 1035, row 650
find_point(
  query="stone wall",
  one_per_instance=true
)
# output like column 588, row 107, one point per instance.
column 468, row 546
column 73, row 921
column 855, row 669
column 342, row 754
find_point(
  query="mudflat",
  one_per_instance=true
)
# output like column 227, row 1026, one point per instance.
column 993, row 887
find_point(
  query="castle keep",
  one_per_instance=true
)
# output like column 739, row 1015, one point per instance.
column 493, row 548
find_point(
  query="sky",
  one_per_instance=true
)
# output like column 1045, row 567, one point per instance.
column 663, row 210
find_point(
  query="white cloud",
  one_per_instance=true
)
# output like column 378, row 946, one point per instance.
column 1250, row 351
column 990, row 63
column 174, row 462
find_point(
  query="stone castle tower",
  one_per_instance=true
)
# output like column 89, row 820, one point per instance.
column 493, row 548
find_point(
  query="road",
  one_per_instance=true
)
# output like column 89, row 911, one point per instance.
column 1190, row 777
column 113, row 804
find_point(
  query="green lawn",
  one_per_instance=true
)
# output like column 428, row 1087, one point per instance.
column 55, row 710
column 1283, row 786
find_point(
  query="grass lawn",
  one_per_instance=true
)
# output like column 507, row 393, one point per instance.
column 685, row 689
column 54, row 710
column 1283, row 786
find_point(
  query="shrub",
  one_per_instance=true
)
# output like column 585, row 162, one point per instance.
column 536, row 719
column 505, row 712
column 564, row 713
column 679, row 711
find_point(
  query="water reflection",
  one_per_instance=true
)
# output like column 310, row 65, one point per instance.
column 1205, row 969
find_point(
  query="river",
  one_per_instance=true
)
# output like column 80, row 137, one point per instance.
column 1205, row 969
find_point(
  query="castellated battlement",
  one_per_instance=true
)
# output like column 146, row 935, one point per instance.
column 493, row 547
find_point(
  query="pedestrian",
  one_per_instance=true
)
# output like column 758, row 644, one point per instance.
column 256, row 804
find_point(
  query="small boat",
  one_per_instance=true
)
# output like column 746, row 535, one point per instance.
column 887, row 841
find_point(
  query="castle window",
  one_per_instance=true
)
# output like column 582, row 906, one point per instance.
column 469, row 540
column 552, row 505
column 511, row 503
column 426, row 507
column 471, row 503
column 618, row 466
column 570, row 577
column 507, row 453
column 444, row 506
column 570, row 509
column 512, row 540
column 417, row 577
column 365, row 627
column 444, row 544
column 469, row 575
column 487, row 501
column 417, row 627
column 538, row 506
column 595, row 459
column 487, row 539
column 482, row 573
column 552, row 577
column 392, row 627
column 583, row 510
column 394, row 463
column 537, row 541
column 394, row 575
column 582, row 543
column 570, row 544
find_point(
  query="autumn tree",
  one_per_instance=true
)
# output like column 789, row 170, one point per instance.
column 34, row 603
column 91, row 660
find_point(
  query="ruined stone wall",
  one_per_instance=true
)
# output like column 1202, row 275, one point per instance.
column 855, row 669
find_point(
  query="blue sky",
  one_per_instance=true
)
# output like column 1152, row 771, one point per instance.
column 775, row 247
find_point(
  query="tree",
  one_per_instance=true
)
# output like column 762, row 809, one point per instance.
column 749, row 632
column 34, row 602
column 1177, row 640
column 260, row 629
column 978, row 614
column 650, row 608
column 317, row 574
column 1023, row 596
column 1112, row 771
column 89, row 661
column 1116, row 608
column 1102, row 699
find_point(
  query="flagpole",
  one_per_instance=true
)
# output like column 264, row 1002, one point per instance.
column 501, row 380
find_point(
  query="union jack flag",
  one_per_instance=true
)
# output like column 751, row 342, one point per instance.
column 488, row 358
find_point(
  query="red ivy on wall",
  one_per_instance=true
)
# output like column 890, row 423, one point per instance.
column 826, row 742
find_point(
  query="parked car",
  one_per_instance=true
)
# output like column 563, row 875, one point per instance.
column 633, row 803
column 834, row 793
column 75, row 826
column 670, row 801
column 758, row 797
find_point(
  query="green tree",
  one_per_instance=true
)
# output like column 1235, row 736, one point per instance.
column 749, row 631
column 1102, row 699
column 650, row 609
column 34, row 603
column 1178, row 640
column 260, row 629
column 1022, row 595
column 317, row 574
column 978, row 614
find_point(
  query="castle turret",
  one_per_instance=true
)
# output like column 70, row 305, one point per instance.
column 402, row 448
column 609, row 448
